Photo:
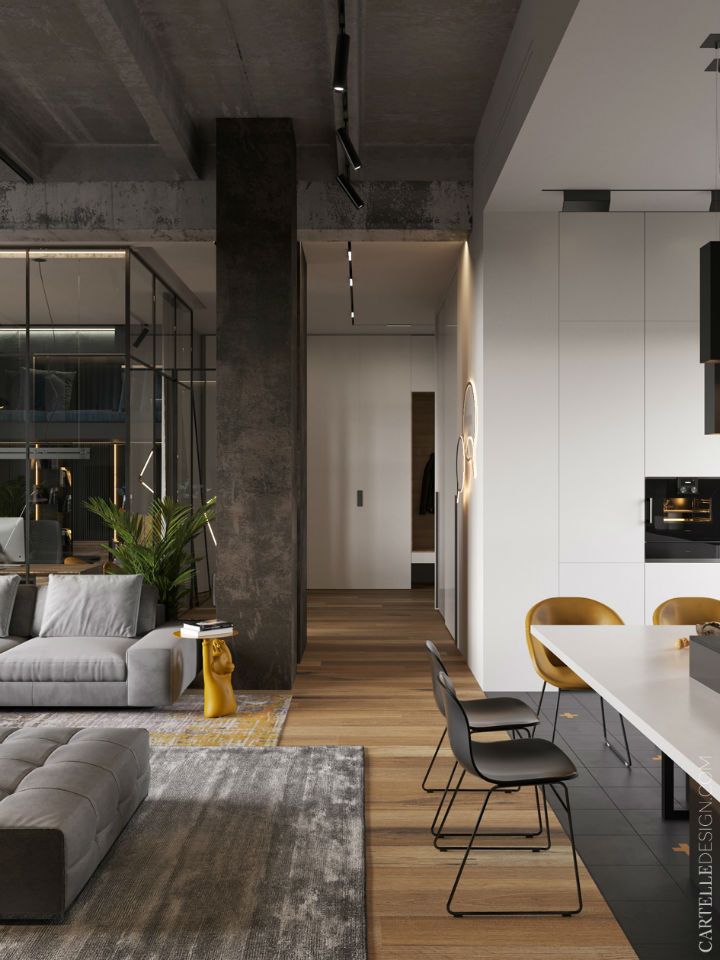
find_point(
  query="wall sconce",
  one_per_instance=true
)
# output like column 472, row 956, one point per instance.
column 459, row 468
column 470, row 425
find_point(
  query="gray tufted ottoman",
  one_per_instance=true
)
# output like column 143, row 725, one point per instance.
column 65, row 795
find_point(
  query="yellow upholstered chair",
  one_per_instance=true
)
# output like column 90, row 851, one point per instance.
column 581, row 611
column 682, row 610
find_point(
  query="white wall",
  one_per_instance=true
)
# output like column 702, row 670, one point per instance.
column 520, row 446
column 359, row 438
column 447, row 427
column 585, row 342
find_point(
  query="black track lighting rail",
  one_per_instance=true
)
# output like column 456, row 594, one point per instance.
column 350, row 157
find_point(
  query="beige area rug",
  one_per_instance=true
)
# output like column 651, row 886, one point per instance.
column 258, row 722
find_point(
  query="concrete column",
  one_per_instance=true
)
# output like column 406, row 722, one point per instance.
column 260, row 422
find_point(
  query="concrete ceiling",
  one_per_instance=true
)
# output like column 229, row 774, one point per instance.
column 625, row 104
column 399, row 286
column 130, row 89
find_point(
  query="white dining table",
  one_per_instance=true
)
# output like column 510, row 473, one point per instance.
column 639, row 671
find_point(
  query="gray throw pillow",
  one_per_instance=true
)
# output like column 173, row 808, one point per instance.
column 147, row 614
column 8, row 592
column 78, row 605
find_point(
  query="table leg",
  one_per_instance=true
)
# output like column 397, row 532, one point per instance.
column 669, row 811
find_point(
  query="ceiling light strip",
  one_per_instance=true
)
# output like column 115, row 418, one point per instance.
column 350, row 282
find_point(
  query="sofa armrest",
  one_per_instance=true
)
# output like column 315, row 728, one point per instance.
column 159, row 667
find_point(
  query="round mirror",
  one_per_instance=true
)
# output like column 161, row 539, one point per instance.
column 460, row 466
column 469, row 420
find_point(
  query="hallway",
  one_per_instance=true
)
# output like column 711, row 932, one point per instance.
column 365, row 680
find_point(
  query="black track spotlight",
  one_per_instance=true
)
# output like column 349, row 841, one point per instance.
column 350, row 191
column 342, row 51
column 141, row 336
column 348, row 148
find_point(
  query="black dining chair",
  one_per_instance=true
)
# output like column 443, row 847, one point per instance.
column 496, row 714
column 505, row 763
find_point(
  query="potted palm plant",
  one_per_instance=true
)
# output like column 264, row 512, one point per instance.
column 156, row 544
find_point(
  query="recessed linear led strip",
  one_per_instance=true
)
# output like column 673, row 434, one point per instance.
column 14, row 330
column 350, row 283
column 45, row 453
column 36, row 254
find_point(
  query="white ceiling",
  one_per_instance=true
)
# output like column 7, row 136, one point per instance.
column 626, row 103
column 398, row 286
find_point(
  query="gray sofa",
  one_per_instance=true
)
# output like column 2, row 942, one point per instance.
column 148, row 670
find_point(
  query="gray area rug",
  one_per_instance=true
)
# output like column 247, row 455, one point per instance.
column 237, row 854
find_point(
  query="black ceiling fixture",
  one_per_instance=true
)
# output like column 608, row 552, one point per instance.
column 350, row 191
column 342, row 52
column 340, row 85
column 349, row 150
column 586, row 201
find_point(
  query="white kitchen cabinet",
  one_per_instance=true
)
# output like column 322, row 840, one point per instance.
column 666, row 580
column 618, row 585
column 601, row 402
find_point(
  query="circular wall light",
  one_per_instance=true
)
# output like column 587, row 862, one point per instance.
column 470, row 425
column 459, row 467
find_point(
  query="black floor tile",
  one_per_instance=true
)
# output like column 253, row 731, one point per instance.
column 599, row 756
column 668, row 951
column 670, row 851
column 651, row 823
column 618, row 850
column 635, row 798
column 596, row 823
column 660, row 923
column 623, row 777
column 633, row 882
column 589, row 798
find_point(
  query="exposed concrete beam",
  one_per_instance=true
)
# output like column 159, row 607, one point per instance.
column 410, row 209
column 185, row 210
column 19, row 148
column 125, row 41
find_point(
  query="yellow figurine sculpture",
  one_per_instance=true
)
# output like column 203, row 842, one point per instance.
column 217, row 671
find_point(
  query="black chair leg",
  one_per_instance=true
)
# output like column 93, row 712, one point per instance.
column 441, row 835
column 539, row 706
column 432, row 762
column 627, row 759
column 557, row 710
column 443, row 798
column 516, row 913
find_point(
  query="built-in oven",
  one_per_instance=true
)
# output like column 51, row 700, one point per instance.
column 682, row 520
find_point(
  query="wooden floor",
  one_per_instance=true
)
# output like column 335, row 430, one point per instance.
column 365, row 680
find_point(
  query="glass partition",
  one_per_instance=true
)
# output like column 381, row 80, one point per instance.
column 98, row 394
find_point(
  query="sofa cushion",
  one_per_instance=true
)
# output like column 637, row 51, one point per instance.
column 7, row 643
column 21, row 623
column 8, row 591
column 91, row 606
column 66, row 660
column 147, row 614
column 39, row 610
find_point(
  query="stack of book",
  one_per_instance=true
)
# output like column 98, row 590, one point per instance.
column 204, row 629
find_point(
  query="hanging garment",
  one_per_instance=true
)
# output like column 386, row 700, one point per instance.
column 427, row 488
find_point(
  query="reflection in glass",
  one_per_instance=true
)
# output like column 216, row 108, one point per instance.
column 98, row 397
